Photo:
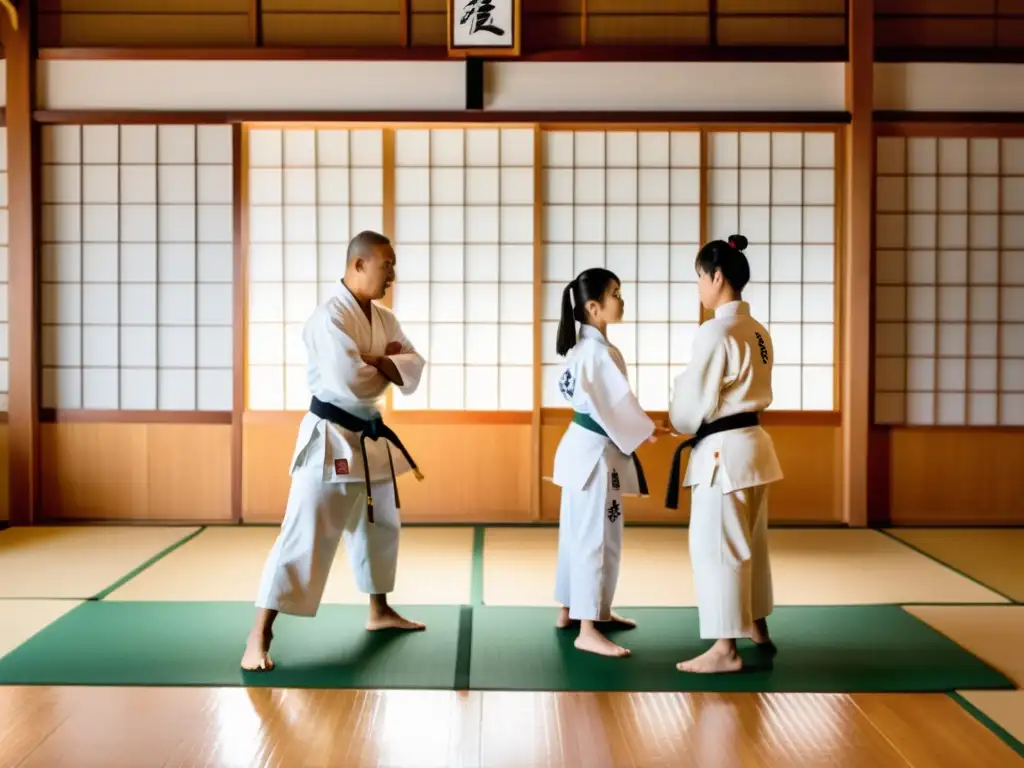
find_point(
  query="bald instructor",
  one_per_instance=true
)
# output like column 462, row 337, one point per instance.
column 346, row 459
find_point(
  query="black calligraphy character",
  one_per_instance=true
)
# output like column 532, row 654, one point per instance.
column 480, row 11
column 614, row 511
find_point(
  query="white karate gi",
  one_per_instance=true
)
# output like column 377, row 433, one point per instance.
column 327, row 500
column 594, row 473
column 730, row 372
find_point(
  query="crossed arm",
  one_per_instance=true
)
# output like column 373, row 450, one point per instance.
column 345, row 368
column 385, row 365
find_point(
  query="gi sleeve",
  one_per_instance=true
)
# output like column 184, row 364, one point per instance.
column 613, row 404
column 342, row 369
column 697, row 390
column 409, row 362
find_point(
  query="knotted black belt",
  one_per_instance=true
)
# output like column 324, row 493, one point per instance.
column 374, row 429
column 724, row 424
column 587, row 422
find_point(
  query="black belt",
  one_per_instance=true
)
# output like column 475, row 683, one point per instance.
column 588, row 422
column 374, row 429
column 724, row 424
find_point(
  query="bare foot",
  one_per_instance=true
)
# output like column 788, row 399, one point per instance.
column 563, row 619
column 388, row 618
column 713, row 661
column 592, row 641
column 256, row 657
column 600, row 645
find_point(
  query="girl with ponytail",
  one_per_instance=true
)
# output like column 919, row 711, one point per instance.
column 596, row 463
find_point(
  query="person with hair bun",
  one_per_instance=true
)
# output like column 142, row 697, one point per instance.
column 595, row 464
column 718, row 399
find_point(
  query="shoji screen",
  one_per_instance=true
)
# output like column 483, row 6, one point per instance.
column 628, row 201
column 464, row 237
column 4, row 336
column 949, row 332
column 778, row 190
column 137, row 267
column 310, row 190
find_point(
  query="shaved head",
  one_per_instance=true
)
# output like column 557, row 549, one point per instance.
column 369, row 265
column 364, row 246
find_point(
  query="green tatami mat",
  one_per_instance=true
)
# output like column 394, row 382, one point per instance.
column 171, row 644
column 848, row 649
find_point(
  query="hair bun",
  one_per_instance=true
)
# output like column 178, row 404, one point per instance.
column 739, row 242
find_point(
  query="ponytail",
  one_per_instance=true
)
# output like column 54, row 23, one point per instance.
column 589, row 285
column 566, row 338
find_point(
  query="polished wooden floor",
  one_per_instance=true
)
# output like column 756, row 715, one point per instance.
column 214, row 728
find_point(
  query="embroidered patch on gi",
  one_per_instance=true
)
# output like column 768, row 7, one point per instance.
column 567, row 385
column 341, row 466
column 615, row 480
column 614, row 511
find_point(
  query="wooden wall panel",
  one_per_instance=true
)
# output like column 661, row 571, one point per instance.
column 552, row 24
column 619, row 29
column 144, row 22
column 949, row 24
column 429, row 23
column 547, row 24
column 647, row 22
column 126, row 471
column 332, row 22
column 782, row 30
column 268, row 441
column 562, row 24
column 781, row 22
column 472, row 472
column 956, row 476
column 810, row 460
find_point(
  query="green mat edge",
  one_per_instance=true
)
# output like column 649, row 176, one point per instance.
column 476, row 588
column 995, row 728
column 147, row 564
column 120, row 582
column 968, row 651
column 950, row 567
column 464, row 651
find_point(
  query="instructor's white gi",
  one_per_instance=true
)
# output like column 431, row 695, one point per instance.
column 594, row 473
column 327, row 500
column 730, row 372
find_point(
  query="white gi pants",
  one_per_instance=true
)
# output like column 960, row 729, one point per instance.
column 590, row 547
column 318, row 516
column 729, row 553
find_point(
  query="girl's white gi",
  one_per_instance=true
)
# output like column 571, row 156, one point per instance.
column 594, row 472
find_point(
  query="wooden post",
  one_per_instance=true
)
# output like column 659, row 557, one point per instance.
column 23, row 265
column 857, row 292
